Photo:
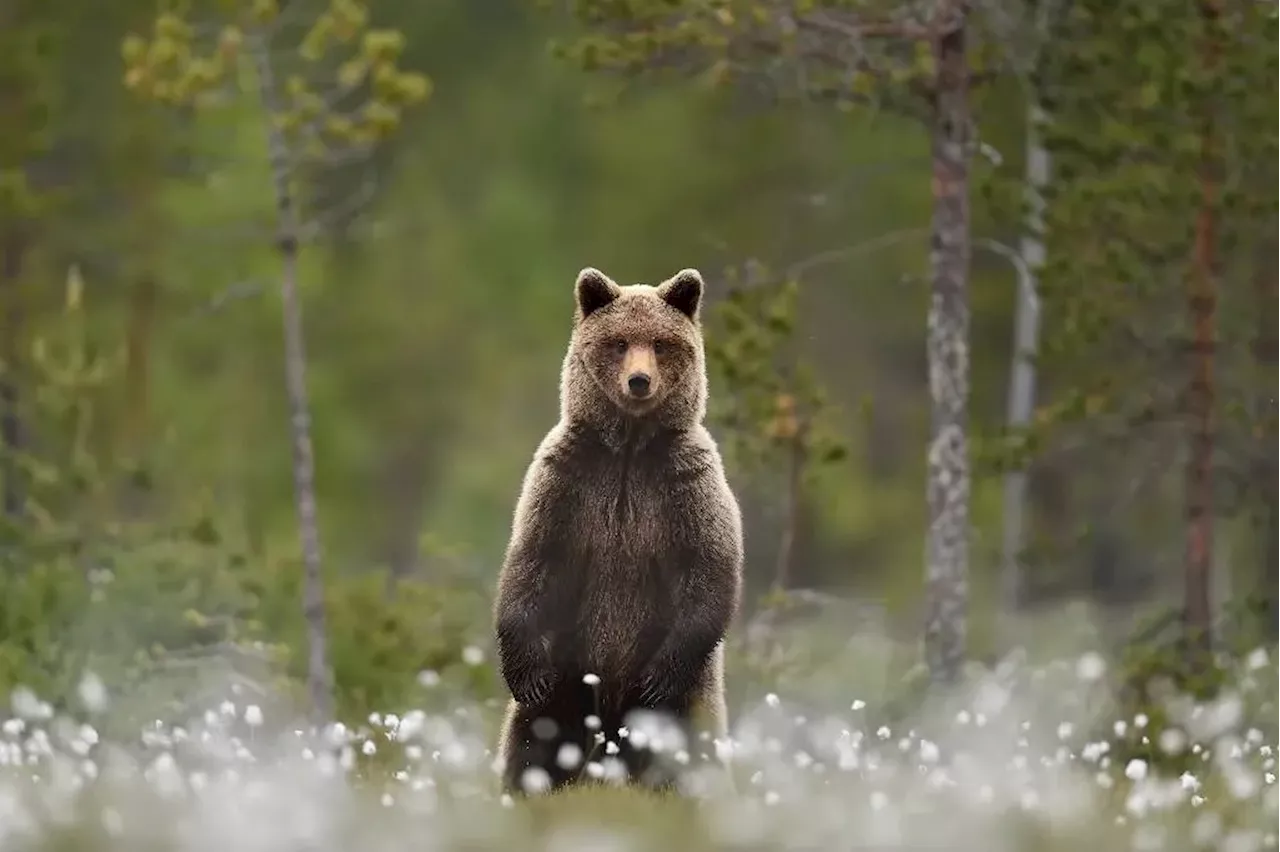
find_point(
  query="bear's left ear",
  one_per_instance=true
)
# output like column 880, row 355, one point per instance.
column 683, row 291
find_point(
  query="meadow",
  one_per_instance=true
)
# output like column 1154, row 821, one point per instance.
column 1024, row 755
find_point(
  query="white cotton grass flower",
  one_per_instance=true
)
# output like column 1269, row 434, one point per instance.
column 93, row 693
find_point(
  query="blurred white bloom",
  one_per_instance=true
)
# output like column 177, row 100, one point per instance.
column 93, row 693
column 535, row 780
column 1090, row 667
column 569, row 756
column 25, row 703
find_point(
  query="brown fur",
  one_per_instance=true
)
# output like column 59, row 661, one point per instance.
column 625, row 559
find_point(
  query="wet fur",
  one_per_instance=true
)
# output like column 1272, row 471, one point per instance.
column 625, row 557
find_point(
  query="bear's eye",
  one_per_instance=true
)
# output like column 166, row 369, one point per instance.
column 619, row 345
column 659, row 347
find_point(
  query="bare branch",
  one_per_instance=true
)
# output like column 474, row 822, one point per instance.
column 342, row 156
column 855, row 30
column 1020, row 267
column 795, row 270
column 325, row 220
column 234, row 293
column 808, row 264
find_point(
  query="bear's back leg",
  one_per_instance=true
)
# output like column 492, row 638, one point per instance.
column 551, row 737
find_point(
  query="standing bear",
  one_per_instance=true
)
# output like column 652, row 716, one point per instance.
column 624, row 567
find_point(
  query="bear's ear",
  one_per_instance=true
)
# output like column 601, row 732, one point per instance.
column 683, row 291
column 594, row 290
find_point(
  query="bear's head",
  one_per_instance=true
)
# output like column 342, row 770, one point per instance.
column 636, row 352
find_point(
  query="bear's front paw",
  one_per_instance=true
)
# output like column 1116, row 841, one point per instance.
column 534, row 686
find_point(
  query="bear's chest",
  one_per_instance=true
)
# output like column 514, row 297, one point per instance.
column 627, row 536
column 627, row 508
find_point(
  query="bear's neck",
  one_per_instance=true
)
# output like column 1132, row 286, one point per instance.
column 622, row 433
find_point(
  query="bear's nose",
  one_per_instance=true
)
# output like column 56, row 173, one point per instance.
column 638, row 384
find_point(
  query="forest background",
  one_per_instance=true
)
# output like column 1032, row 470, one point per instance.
column 1122, row 480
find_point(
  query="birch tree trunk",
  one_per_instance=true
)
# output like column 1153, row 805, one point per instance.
column 319, row 675
column 1026, row 344
column 947, row 546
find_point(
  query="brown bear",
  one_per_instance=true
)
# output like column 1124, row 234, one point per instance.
column 624, row 568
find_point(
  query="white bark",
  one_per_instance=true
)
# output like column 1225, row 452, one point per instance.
column 1026, row 344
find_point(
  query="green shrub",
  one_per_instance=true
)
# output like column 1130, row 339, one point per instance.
column 168, row 619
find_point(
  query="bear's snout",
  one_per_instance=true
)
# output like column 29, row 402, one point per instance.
column 639, row 369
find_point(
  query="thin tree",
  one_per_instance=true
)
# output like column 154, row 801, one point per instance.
column 316, row 116
column 774, row 414
column 1022, row 30
column 1264, row 472
column 1202, row 304
column 1250, row 204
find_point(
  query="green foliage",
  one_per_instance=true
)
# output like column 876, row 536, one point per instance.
column 771, row 413
column 1122, row 209
column 133, row 608
column 803, row 52
column 28, row 100
column 67, row 374
column 1117, row 306
column 383, row 635
column 166, row 612
column 167, row 619
column 438, row 327
column 1092, row 156
column 1162, row 679
column 171, row 67
column 771, row 404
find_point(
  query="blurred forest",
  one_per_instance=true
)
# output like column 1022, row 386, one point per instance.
column 1119, row 165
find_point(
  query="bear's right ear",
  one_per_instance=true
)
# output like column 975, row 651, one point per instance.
column 594, row 290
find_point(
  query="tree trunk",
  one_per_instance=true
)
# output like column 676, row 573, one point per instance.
column 947, row 548
column 1026, row 343
column 12, row 437
column 1202, row 306
column 319, row 675
column 796, row 452
column 404, row 483
column 142, row 307
column 130, row 439
column 1266, row 355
